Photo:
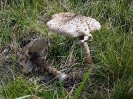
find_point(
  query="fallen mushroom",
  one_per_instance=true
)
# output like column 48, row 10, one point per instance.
column 34, row 54
column 39, row 60
column 75, row 25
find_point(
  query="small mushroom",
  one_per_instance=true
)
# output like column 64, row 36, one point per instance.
column 75, row 25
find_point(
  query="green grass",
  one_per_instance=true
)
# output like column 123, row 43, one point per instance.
column 79, row 89
column 23, row 87
column 112, row 71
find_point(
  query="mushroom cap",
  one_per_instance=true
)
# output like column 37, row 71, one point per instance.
column 73, row 25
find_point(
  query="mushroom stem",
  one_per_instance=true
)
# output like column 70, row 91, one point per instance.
column 86, row 52
column 61, row 76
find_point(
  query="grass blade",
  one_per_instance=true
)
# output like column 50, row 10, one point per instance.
column 24, row 97
column 82, row 84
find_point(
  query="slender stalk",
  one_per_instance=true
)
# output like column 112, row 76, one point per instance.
column 86, row 53
column 41, row 62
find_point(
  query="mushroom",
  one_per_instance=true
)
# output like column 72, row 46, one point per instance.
column 75, row 25
column 33, row 55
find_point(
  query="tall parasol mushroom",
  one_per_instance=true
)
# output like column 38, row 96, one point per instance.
column 75, row 25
